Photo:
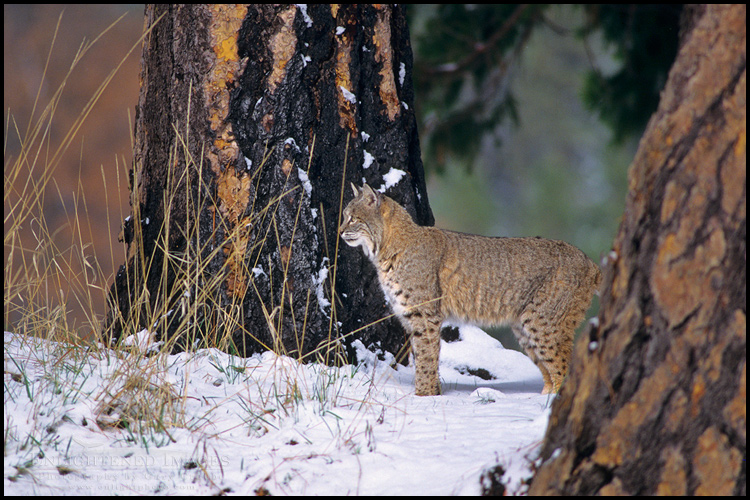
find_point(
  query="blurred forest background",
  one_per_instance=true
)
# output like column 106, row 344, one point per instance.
column 529, row 117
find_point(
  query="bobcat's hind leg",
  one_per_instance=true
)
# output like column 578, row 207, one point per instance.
column 550, row 352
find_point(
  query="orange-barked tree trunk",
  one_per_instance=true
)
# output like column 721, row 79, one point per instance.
column 655, row 401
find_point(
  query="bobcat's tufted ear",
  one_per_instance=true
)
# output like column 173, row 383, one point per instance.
column 371, row 197
column 354, row 188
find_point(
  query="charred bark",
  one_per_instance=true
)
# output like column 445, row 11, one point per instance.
column 256, row 119
column 655, row 400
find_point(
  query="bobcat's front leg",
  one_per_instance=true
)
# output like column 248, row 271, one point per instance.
column 425, row 345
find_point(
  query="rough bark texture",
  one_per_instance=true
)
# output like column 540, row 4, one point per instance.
column 285, row 107
column 655, row 400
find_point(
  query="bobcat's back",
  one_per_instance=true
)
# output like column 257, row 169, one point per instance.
column 494, row 280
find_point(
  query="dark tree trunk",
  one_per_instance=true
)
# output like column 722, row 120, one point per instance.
column 655, row 401
column 250, row 126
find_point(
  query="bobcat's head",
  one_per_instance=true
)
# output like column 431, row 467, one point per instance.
column 363, row 223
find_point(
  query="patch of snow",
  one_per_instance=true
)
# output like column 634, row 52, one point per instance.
column 144, row 341
column 369, row 159
column 140, row 340
column 319, row 280
column 348, row 95
column 485, row 352
column 305, row 180
column 303, row 8
column 390, row 179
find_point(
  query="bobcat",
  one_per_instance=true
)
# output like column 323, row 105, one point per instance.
column 540, row 287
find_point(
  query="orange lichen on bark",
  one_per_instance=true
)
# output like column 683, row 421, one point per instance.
column 233, row 192
column 283, row 46
column 233, row 184
column 384, row 55
column 234, row 252
column 286, row 254
column 344, row 83
column 223, row 30
column 286, row 166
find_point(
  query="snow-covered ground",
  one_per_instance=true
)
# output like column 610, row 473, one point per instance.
column 265, row 424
